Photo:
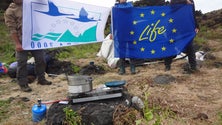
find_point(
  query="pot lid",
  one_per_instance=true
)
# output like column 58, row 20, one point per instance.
column 115, row 83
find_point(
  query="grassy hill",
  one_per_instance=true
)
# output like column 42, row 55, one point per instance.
column 212, row 20
column 210, row 28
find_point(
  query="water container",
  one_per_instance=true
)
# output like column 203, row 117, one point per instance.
column 38, row 111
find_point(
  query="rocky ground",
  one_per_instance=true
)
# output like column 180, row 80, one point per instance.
column 187, row 99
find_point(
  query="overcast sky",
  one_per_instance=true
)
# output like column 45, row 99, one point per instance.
column 207, row 6
column 203, row 5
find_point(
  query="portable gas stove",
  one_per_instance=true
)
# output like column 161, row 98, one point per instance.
column 97, row 94
column 80, row 89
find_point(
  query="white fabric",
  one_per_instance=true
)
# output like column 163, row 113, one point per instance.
column 31, row 61
column 105, row 47
column 199, row 55
column 107, row 52
column 108, row 3
column 60, row 23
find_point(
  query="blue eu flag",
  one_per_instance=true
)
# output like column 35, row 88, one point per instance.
column 152, row 32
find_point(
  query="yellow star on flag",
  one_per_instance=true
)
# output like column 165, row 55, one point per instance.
column 174, row 30
column 153, row 51
column 134, row 42
column 152, row 12
column 142, row 15
column 142, row 49
column 171, row 40
column 163, row 14
column 170, row 20
column 134, row 22
column 132, row 32
column 163, row 48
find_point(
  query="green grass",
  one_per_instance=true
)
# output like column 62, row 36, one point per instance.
column 205, row 34
column 154, row 114
column 72, row 117
column 220, row 118
column 3, row 109
column 7, row 46
column 209, row 33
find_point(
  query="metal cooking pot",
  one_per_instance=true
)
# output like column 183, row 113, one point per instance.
column 79, row 84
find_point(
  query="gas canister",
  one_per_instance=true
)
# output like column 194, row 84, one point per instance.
column 38, row 111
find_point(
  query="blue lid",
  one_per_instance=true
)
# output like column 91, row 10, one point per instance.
column 115, row 83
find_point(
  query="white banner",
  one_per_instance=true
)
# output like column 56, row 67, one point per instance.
column 59, row 23
column 104, row 3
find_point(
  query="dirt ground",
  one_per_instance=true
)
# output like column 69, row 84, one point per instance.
column 195, row 99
